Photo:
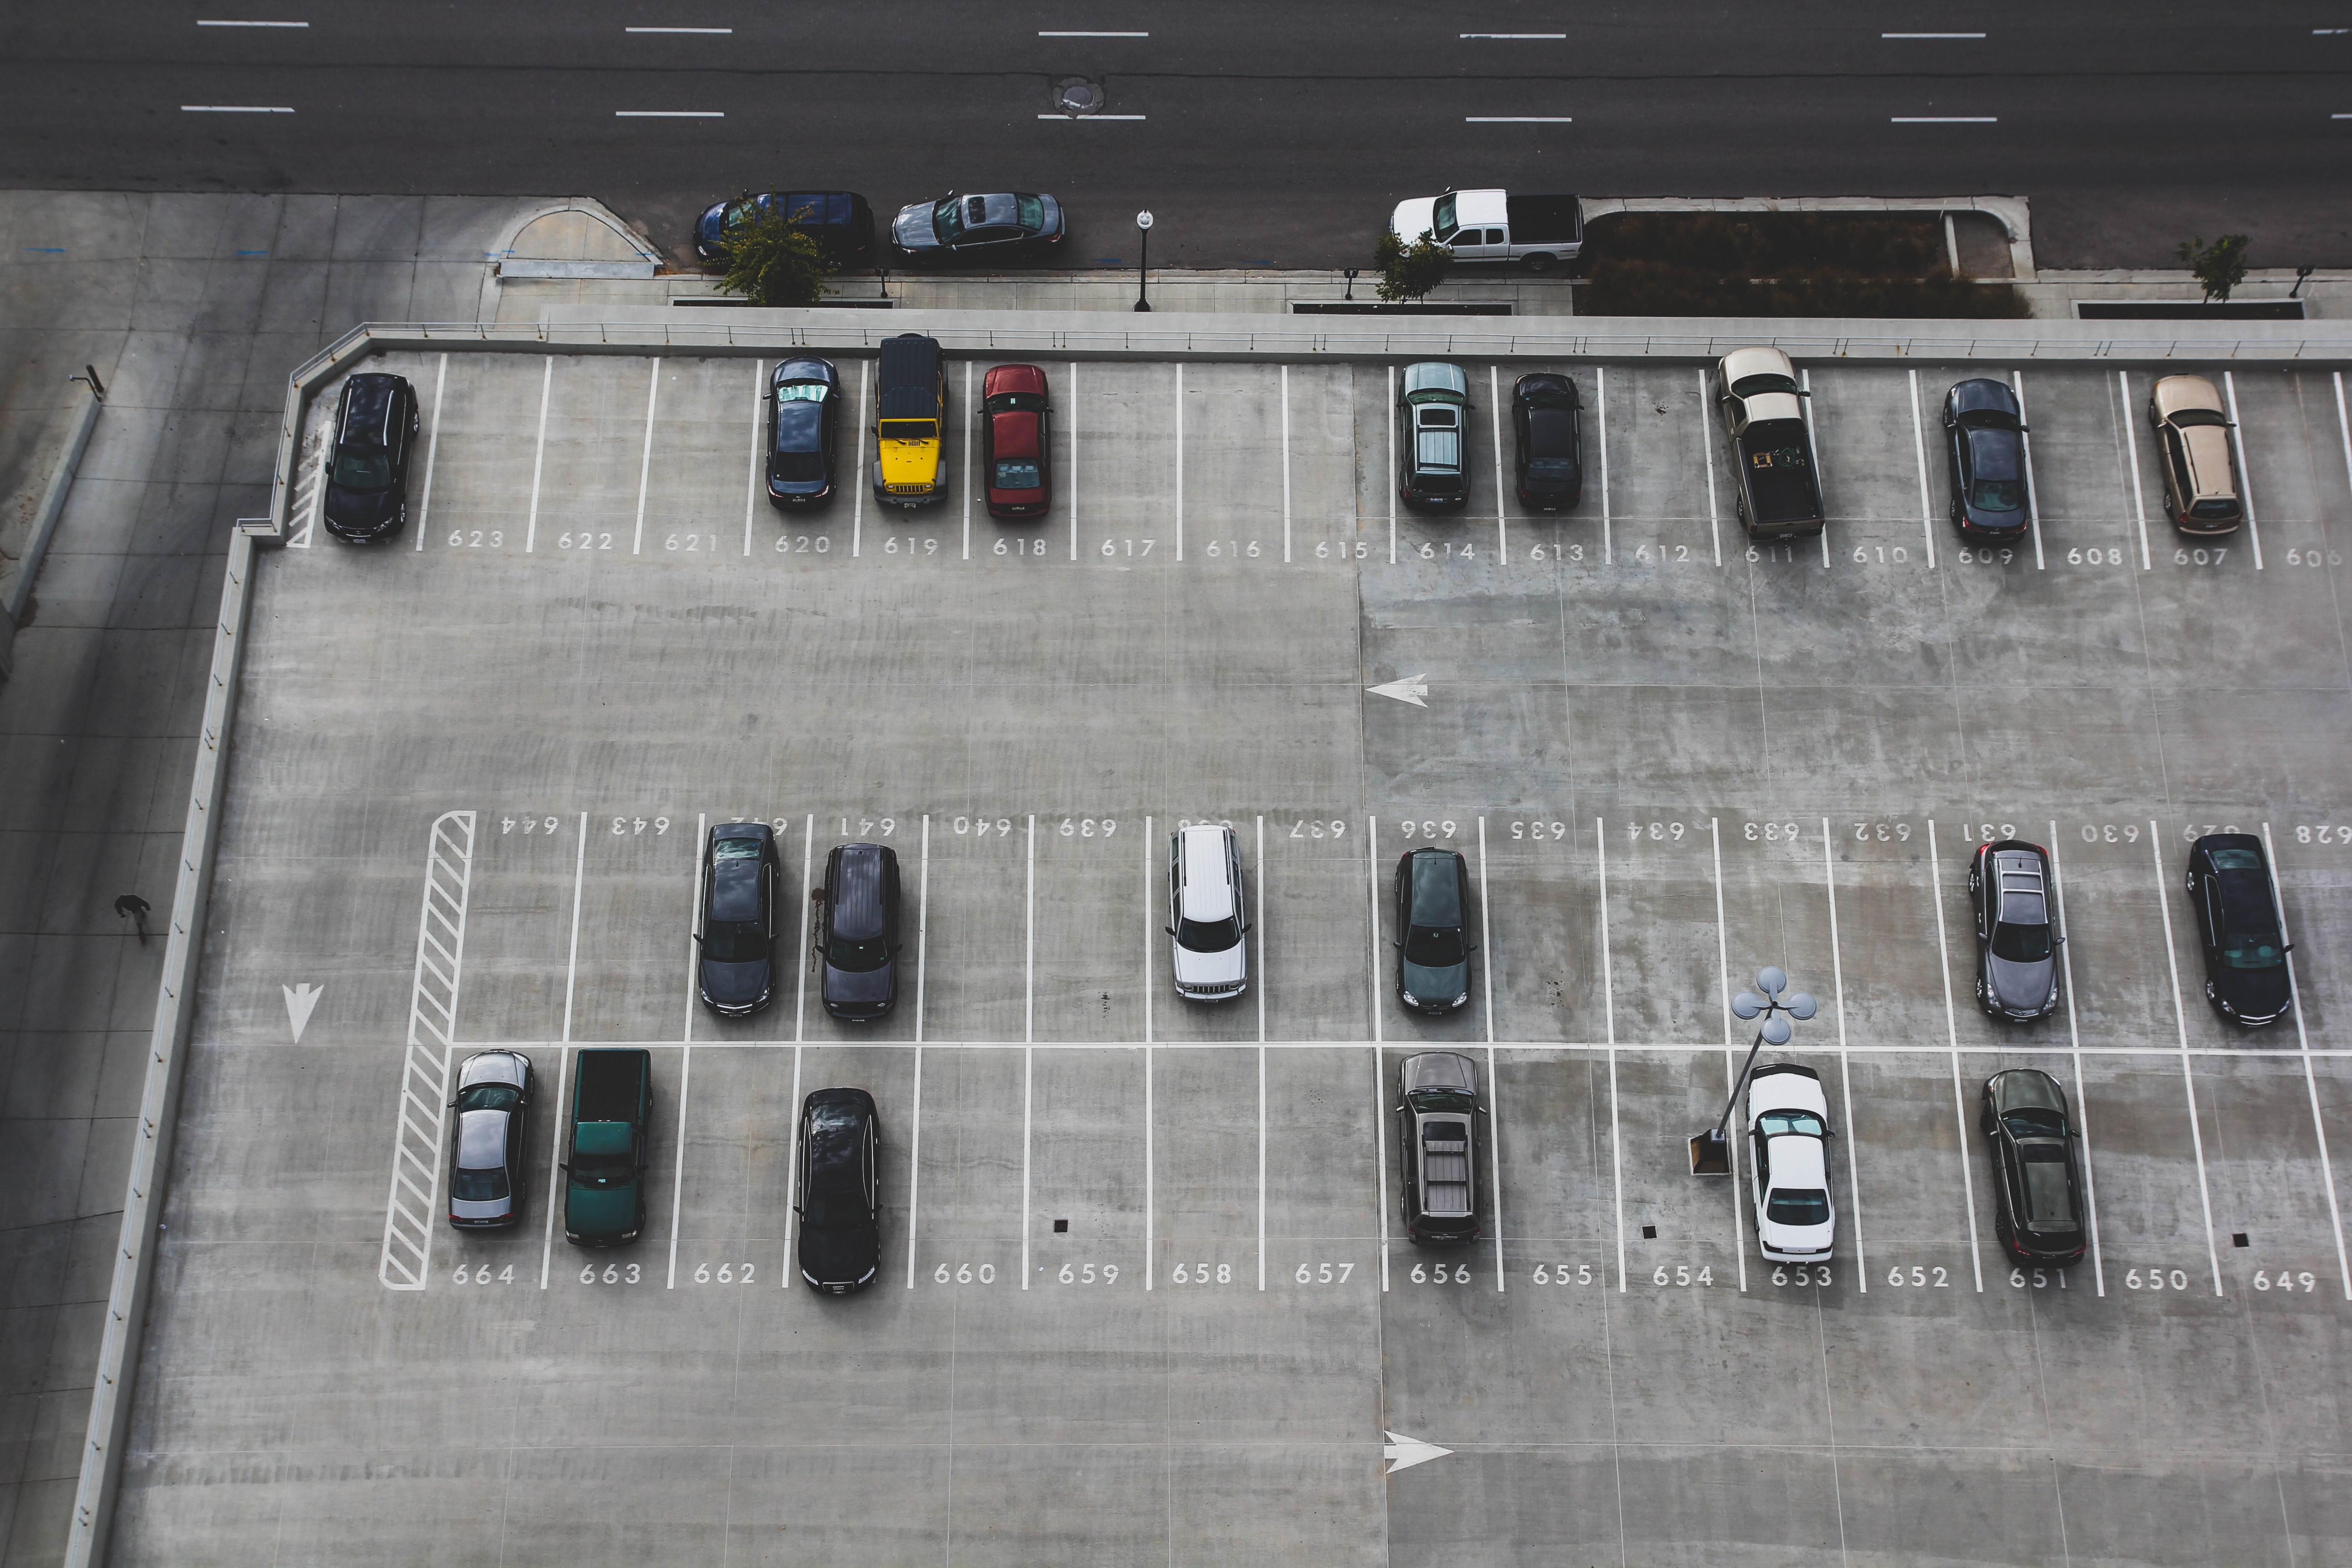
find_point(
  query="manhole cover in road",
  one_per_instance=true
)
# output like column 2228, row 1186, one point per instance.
column 1078, row 96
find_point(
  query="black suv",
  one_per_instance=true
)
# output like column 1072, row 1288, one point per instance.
column 2237, row 914
column 840, row 1205
column 741, row 874
column 857, row 931
column 1432, row 910
column 2037, row 1178
column 367, row 467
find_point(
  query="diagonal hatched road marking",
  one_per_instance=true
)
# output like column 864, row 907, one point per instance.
column 407, row 1261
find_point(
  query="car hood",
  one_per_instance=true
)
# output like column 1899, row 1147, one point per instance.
column 840, row 1256
column 2254, row 993
column 1412, row 218
column 1211, row 968
column 856, row 987
column 736, row 983
column 707, row 227
column 912, row 228
column 1440, row 984
column 2019, row 987
column 364, row 510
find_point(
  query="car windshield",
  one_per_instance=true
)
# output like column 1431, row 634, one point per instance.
column 1017, row 474
column 1798, row 1205
column 858, row 957
column 947, row 218
column 1209, row 936
column 601, row 1170
column 2032, row 1121
column 489, row 1097
column 2186, row 416
column 1434, row 947
column 1443, row 1099
column 2020, row 943
column 1997, row 495
column 909, row 430
column 1017, row 403
column 1440, row 218
column 1803, row 1124
column 803, row 392
column 362, row 470
column 734, row 941
column 478, row 1186
column 1757, row 385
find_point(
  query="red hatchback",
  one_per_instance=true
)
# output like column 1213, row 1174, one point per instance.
column 1014, row 420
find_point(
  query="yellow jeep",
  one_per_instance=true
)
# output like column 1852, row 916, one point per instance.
column 910, row 464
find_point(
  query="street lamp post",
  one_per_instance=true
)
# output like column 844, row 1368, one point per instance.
column 1710, row 1152
column 1143, row 226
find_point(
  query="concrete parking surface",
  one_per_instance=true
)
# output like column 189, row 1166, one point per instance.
column 1144, row 1292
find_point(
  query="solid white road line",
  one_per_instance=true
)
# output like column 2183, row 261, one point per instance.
column 1092, row 34
column 1495, row 427
column 1485, row 935
column 2310, row 1084
column 801, row 965
column 791, row 1176
column 710, row 30
column 253, row 24
column 572, row 963
column 1813, row 451
column 1151, row 1197
column 1090, row 117
column 432, row 443
column 554, row 1188
column 1931, row 34
column 645, row 462
column 234, row 109
column 914, row 1139
column 1944, row 120
column 539, row 454
column 1600, row 399
column 1707, row 460
column 1180, row 460
column 759, row 443
column 1286, row 476
column 1493, row 1078
column 1609, row 1012
column 1919, row 450
column 2074, row 1043
column 1845, row 1069
column 669, row 114
column 1515, row 34
column 1028, row 1036
column 1071, row 484
column 1260, row 1036
column 1731, row 1046
column 2131, row 465
column 2032, row 497
column 2246, row 477
column 968, row 445
column 1517, row 120
column 859, row 480
column 1389, row 481
column 2180, row 1023
column 1952, row 1034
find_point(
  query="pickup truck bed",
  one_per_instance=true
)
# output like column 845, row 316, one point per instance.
column 1776, row 473
column 1544, row 220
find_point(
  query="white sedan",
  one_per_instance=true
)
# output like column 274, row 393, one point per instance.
column 1788, row 1136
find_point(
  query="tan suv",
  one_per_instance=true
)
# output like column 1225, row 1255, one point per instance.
column 2192, row 440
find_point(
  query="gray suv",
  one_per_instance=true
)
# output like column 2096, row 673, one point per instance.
column 1438, row 1133
column 2017, row 933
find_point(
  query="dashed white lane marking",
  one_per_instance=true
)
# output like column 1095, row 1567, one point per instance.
column 709, row 31
column 1512, row 36
column 1088, row 34
column 209, row 24
column 1952, row 1032
column 433, row 446
column 1931, row 34
column 234, row 109
column 1845, row 1070
column 1090, row 117
column 669, row 114
column 414, row 1201
column 1927, row 504
column 1944, row 120
column 915, row 1140
column 2131, row 465
column 2310, row 1083
column 1517, row 120
column 2180, row 1023
column 2074, row 1043
column 2245, row 476
column 538, row 453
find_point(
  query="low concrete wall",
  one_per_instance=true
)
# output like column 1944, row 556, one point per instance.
column 28, row 519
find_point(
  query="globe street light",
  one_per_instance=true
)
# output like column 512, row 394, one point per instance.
column 1710, row 1152
column 1143, row 226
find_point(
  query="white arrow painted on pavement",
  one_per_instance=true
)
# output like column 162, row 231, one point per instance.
column 1404, row 1453
column 1412, row 689
column 299, row 1000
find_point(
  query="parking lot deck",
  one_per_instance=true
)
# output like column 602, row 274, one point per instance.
column 1144, row 1294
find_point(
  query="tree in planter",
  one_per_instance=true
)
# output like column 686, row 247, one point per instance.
column 2219, row 267
column 1411, row 271
column 770, row 262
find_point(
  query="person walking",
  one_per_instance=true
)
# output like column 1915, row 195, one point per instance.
column 132, row 905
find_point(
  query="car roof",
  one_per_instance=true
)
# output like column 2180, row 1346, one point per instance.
column 857, row 891
column 1207, row 891
column 482, row 1140
column 1983, row 393
column 1013, row 433
column 758, row 830
column 735, row 889
column 908, row 359
column 1435, row 375
column 1012, row 378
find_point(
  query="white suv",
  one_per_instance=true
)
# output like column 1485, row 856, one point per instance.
column 1788, row 1134
column 1206, row 913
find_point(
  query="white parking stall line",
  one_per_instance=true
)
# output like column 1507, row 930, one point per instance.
column 2032, row 495
column 1258, row 909
column 1180, row 460
column 915, row 1136
column 554, row 1161
column 858, row 480
column 1260, row 922
column 645, row 461
column 759, row 442
column 2180, row 1023
column 785, row 1270
column 1150, row 1196
column 968, row 444
column 572, row 963
column 1714, row 519
column 433, row 446
column 1601, row 398
column 1814, row 453
column 1071, row 500
column 686, row 1041
column 2074, row 1045
column 1731, row 1046
column 1494, row 1078
column 678, row 1175
column 1494, row 428
column 1919, row 450
column 1952, row 1034
column 1485, row 935
column 2246, row 477
column 539, row 455
column 1028, row 1043
column 2131, row 465
column 2343, row 427
column 1380, row 1093
column 694, row 924
column 414, row 1201
column 1845, row 1069
column 2310, row 1083
column 1387, row 482
column 1608, row 1013
column 1286, row 479
column 800, row 955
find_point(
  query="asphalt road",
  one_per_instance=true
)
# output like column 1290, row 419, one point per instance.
column 1275, row 135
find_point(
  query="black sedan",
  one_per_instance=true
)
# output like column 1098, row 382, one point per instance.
column 367, row 468
column 1547, row 419
column 742, row 872
column 858, row 933
column 1012, row 226
column 1984, row 446
column 2017, row 933
column 2237, row 913
column 840, row 1177
column 487, row 1157
column 803, row 431
column 2037, row 1178
column 1432, row 910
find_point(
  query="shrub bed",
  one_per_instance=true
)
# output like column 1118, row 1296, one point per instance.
column 1778, row 264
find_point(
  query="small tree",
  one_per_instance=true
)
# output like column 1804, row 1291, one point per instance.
column 2219, row 267
column 770, row 262
column 1411, row 271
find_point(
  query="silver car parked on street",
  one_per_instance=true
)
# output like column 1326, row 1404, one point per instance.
column 485, row 1157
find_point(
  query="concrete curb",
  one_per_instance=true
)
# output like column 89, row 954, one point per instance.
column 42, row 524
column 486, row 306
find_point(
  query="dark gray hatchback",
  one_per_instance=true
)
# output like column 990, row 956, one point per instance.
column 2017, row 932
column 742, row 873
column 1433, row 904
column 857, row 931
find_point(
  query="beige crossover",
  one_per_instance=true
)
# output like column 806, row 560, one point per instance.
column 2192, row 447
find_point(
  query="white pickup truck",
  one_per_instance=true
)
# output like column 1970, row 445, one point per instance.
column 1538, row 232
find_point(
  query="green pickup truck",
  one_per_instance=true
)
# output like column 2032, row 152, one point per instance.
column 612, row 1112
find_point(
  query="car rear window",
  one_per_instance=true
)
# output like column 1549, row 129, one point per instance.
column 1798, row 1205
column 1017, row 474
column 1757, row 385
column 1033, row 214
column 2049, row 1198
column 478, row 1186
column 2214, row 511
column 2019, row 943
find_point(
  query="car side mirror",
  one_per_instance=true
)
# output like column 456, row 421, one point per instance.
column 563, row 1166
column 696, row 936
column 1169, row 930
column 1803, row 392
